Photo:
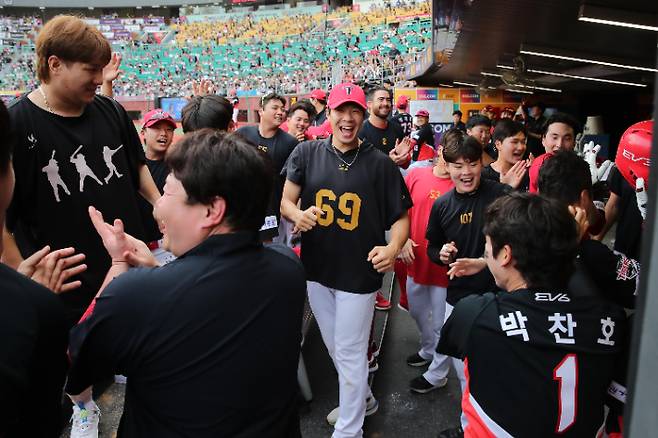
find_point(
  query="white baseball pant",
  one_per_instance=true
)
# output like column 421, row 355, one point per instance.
column 344, row 319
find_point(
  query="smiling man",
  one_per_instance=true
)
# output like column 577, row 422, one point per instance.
column 350, row 195
column 193, row 336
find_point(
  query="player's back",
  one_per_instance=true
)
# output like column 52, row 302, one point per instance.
column 538, row 362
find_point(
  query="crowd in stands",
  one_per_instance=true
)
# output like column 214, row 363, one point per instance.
column 287, row 53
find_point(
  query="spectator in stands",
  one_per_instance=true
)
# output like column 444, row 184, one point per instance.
column 33, row 329
column 213, row 315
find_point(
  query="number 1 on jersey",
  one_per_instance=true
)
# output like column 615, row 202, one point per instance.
column 566, row 373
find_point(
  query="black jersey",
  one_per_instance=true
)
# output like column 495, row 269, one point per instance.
column 360, row 202
column 405, row 121
column 65, row 164
column 537, row 362
column 492, row 174
column 459, row 217
column 159, row 171
column 426, row 135
column 278, row 148
column 382, row 139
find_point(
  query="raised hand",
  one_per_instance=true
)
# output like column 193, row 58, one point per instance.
column 466, row 266
column 112, row 70
column 447, row 253
column 203, row 88
column 514, row 176
column 307, row 219
column 53, row 269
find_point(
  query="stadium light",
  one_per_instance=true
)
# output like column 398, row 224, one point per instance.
column 446, row 85
column 559, row 54
column 616, row 17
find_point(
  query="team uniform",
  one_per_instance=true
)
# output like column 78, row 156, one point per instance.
column 548, row 354
column 382, row 139
column 362, row 194
column 278, row 148
column 427, row 282
column 628, row 238
column 459, row 217
column 405, row 121
column 65, row 164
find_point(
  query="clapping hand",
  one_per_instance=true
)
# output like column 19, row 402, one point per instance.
column 53, row 269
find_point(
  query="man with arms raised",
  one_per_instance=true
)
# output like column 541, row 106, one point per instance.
column 350, row 195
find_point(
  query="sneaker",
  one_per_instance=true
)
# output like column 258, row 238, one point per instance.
column 455, row 432
column 85, row 421
column 371, row 407
column 373, row 365
column 403, row 306
column 422, row 386
column 415, row 360
column 382, row 303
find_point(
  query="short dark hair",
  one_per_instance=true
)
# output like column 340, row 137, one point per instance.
column 540, row 105
column 476, row 120
column 272, row 96
column 542, row 234
column 210, row 111
column 7, row 141
column 467, row 148
column 561, row 118
column 564, row 176
column 373, row 90
column 211, row 163
column 457, row 112
column 507, row 128
column 303, row 105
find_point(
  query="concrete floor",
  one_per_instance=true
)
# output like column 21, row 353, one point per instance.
column 401, row 413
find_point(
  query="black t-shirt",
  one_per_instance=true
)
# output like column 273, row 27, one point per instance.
column 492, row 174
column 628, row 237
column 159, row 171
column 278, row 148
column 405, row 121
column 460, row 125
column 382, row 139
column 209, row 342
column 33, row 362
column 360, row 202
column 320, row 118
column 65, row 164
column 538, row 361
column 459, row 217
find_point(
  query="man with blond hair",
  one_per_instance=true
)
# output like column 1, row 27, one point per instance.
column 54, row 122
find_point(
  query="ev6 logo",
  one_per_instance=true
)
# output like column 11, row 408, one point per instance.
column 547, row 296
column 631, row 156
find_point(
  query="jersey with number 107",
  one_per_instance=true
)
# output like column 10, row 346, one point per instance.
column 360, row 196
column 538, row 362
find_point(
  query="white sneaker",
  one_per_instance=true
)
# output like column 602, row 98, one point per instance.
column 85, row 421
column 371, row 407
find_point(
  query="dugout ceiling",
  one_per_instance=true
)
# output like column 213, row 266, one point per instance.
column 493, row 33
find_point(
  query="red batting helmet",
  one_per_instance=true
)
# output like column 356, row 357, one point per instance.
column 634, row 152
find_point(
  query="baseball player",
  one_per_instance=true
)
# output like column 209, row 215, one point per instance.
column 350, row 195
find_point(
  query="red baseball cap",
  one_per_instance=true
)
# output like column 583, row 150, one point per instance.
column 422, row 113
column 319, row 94
column 344, row 93
column 158, row 115
column 403, row 102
